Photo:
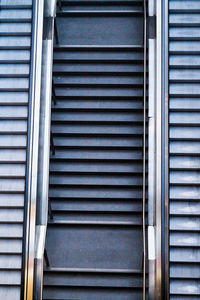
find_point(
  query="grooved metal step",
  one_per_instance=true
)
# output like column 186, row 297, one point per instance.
column 184, row 221
column 94, row 236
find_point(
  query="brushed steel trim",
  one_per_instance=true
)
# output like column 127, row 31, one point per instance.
column 34, row 112
column 144, row 154
column 44, row 151
column 165, row 101
column 151, row 154
column 158, row 268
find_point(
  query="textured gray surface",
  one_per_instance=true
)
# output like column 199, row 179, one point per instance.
column 15, row 41
column 94, row 242
column 184, row 90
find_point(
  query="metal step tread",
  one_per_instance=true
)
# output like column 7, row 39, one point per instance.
column 184, row 230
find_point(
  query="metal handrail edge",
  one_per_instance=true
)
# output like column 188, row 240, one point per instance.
column 32, row 153
column 44, row 144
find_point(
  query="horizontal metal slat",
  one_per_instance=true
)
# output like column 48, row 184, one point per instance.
column 99, row 13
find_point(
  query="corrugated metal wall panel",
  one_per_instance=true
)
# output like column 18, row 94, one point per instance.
column 15, row 43
column 184, row 135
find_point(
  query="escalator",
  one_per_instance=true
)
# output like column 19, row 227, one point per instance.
column 15, row 60
column 89, row 116
column 95, row 230
column 184, row 160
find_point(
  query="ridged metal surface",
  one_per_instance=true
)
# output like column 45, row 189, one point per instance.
column 184, row 132
column 94, row 241
column 15, row 42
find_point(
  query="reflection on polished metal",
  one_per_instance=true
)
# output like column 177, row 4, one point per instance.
column 33, row 142
column 144, row 155
column 39, row 253
column 158, row 233
column 151, row 150
column 165, row 201
column 44, row 146
column 33, row 150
